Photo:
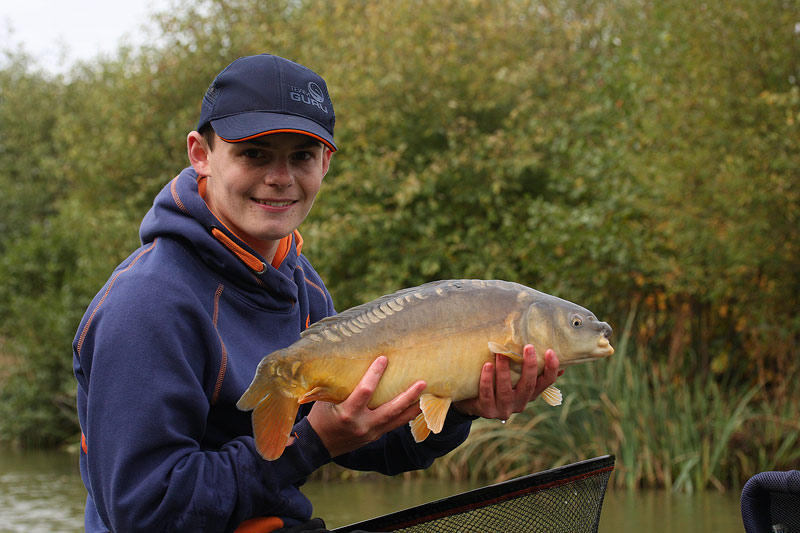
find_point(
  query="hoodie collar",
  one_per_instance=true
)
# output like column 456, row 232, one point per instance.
column 180, row 212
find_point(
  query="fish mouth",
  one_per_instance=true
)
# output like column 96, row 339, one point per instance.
column 604, row 348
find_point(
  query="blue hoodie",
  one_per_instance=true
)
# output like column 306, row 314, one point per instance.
column 163, row 353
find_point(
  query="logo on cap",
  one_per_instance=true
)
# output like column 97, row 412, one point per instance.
column 313, row 96
column 315, row 92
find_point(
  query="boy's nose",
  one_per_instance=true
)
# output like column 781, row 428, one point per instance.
column 279, row 176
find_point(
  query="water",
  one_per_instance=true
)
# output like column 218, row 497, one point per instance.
column 42, row 492
column 655, row 511
column 659, row 511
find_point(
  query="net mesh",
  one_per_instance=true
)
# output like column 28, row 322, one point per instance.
column 564, row 499
column 771, row 502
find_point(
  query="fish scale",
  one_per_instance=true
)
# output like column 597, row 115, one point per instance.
column 442, row 332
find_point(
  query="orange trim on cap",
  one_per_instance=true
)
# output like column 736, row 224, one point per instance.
column 317, row 137
column 264, row 524
column 83, row 444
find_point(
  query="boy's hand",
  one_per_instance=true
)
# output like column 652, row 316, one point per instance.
column 351, row 424
column 498, row 398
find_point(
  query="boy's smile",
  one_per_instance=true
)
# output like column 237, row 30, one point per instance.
column 261, row 189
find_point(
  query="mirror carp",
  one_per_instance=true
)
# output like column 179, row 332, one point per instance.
column 442, row 332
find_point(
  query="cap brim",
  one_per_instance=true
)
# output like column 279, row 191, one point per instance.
column 244, row 126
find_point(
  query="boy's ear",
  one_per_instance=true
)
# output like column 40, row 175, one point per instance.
column 326, row 160
column 198, row 150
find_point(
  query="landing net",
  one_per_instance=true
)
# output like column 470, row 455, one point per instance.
column 564, row 499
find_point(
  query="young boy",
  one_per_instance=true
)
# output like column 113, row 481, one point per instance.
column 173, row 339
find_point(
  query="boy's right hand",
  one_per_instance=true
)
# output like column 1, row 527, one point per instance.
column 351, row 424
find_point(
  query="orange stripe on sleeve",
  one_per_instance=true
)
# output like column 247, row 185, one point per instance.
column 264, row 524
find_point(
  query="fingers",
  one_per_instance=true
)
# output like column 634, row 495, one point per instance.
column 486, row 385
column 484, row 404
column 498, row 397
column 503, row 389
column 510, row 398
column 399, row 410
column 549, row 374
column 526, row 386
column 363, row 392
column 351, row 424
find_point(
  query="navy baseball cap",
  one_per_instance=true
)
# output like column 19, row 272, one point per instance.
column 264, row 94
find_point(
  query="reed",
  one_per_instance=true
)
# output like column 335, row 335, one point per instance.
column 667, row 430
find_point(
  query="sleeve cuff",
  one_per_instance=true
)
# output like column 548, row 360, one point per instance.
column 308, row 445
column 454, row 416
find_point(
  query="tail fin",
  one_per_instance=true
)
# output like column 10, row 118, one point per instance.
column 273, row 411
column 273, row 418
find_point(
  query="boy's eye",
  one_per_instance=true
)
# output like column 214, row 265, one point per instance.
column 302, row 156
column 252, row 153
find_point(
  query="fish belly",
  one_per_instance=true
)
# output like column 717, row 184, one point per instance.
column 450, row 370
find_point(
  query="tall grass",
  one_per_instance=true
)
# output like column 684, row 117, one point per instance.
column 667, row 430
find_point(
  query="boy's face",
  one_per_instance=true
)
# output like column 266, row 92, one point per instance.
column 261, row 189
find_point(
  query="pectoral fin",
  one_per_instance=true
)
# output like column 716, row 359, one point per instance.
column 273, row 418
column 431, row 420
column 321, row 394
column 419, row 429
column 435, row 410
column 552, row 396
column 503, row 350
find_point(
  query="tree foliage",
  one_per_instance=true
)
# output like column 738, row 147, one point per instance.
column 623, row 154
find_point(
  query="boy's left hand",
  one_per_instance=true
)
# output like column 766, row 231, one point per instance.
column 498, row 398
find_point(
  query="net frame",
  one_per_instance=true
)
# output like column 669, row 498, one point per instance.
column 576, row 492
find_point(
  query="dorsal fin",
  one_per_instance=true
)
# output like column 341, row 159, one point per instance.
column 380, row 308
column 353, row 320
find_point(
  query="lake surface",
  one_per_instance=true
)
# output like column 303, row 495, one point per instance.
column 42, row 492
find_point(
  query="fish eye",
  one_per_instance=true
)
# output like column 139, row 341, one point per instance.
column 576, row 321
